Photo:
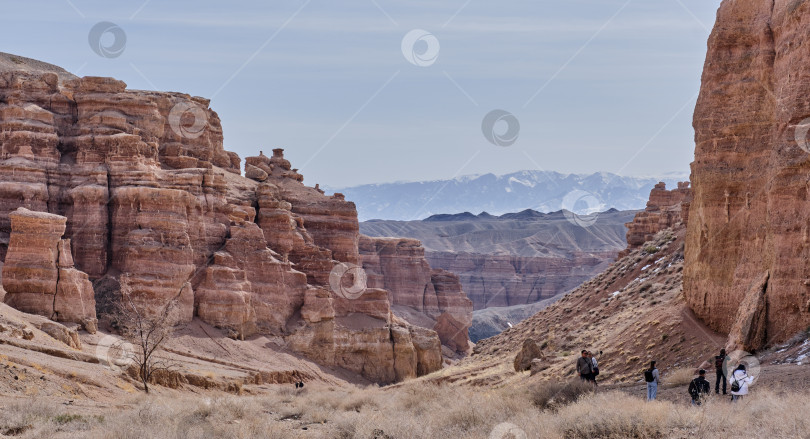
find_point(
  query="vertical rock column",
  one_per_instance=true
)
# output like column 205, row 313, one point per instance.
column 30, row 272
column 38, row 273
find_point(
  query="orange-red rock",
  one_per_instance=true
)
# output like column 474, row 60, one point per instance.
column 748, row 219
column 153, row 205
column 665, row 208
column 426, row 297
column 38, row 273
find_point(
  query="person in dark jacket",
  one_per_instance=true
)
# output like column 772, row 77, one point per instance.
column 699, row 388
column 719, row 360
column 584, row 367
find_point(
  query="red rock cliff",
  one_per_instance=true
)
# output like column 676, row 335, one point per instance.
column 433, row 298
column 154, row 206
column 748, row 243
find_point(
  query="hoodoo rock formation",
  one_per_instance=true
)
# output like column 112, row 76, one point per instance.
column 38, row 274
column 748, row 242
column 665, row 208
column 151, row 205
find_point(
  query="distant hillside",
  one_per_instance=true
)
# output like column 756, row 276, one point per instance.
column 492, row 321
column 537, row 190
column 514, row 259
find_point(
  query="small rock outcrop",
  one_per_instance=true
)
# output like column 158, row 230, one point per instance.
column 38, row 273
column 529, row 352
column 665, row 209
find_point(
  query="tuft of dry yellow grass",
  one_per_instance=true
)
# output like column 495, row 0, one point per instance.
column 678, row 377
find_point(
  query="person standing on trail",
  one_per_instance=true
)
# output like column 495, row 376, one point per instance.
column 699, row 388
column 739, row 383
column 584, row 366
column 719, row 360
column 651, row 376
column 594, row 367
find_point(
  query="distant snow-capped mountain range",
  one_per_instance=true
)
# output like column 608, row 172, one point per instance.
column 497, row 195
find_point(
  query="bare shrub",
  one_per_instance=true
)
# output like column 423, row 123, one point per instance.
column 146, row 331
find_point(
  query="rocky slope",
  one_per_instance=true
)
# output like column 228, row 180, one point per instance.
column 151, row 205
column 748, row 244
column 633, row 312
column 514, row 259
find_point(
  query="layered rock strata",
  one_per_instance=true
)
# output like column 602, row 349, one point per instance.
column 515, row 259
column 748, row 241
column 398, row 265
column 38, row 273
column 154, row 207
column 508, row 280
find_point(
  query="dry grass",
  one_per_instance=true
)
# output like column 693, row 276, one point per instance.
column 417, row 410
column 678, row 377
column 556, row 394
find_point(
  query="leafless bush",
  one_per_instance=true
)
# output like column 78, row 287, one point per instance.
column 146, row 331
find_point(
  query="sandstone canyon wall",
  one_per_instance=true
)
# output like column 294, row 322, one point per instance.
column 150, row 204
column 514, row 259
column 748, row 244
column 398, row 265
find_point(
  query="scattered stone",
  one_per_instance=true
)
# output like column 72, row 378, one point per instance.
column 529, row 351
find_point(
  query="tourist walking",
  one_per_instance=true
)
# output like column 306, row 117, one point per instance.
column 739, row 383
column 719, row 360
column 699, row 387
column 584, row 366
column 651, row 376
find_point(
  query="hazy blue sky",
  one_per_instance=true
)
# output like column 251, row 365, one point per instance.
column 605, row 85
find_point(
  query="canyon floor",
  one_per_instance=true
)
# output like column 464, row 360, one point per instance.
column 419, row 409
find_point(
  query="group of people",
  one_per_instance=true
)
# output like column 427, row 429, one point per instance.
column 587, row 367
column 699, row 388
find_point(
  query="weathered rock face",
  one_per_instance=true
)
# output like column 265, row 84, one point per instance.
column 153, row 206
column 664, row 209
column 398, row 265
column 38, row 274
column 748, row 219
column 507, row 280
column 514, row 259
